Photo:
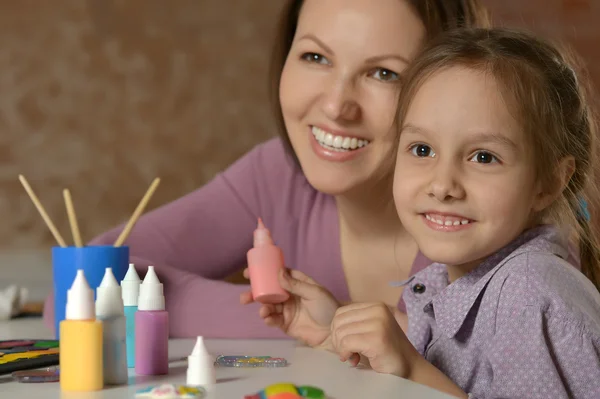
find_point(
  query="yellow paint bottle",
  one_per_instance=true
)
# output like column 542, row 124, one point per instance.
column 81, row 340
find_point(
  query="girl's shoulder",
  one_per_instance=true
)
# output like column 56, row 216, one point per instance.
column 542, row 280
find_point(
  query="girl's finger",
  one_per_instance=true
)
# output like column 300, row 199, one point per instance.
column 246, row 297
column 350, row 345
column 300, row 288
column 298, row 275
column 355, row 320
column 266, row 310
column 354, row 359
column 246, row 273
column 358, row 307
column 274, row 320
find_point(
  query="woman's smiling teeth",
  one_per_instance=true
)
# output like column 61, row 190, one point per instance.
column 447, row 220
column 337, row 143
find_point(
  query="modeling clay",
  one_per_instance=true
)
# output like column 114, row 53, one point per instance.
column 50, row 374
column 250, row 361
column 286, row 390
column 170, row 391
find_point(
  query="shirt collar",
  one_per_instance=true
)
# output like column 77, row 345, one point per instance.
column 453, row 304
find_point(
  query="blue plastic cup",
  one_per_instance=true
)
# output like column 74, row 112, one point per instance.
column 93, row 260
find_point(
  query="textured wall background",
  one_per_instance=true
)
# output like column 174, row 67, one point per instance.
column 101, row 96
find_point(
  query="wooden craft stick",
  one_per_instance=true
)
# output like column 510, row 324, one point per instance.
column 137, row 213
column 42, row 212
column 72, row 218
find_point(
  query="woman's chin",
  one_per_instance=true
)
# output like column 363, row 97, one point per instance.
column 332, row 182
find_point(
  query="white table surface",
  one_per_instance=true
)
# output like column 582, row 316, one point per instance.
column 307, row 367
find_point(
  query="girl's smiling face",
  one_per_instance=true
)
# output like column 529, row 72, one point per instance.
column 339, row 88
column 464, row 184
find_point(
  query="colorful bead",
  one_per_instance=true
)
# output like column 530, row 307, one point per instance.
column 280, row 388
column 307, row 391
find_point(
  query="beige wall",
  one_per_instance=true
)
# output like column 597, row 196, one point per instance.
column 101, row 96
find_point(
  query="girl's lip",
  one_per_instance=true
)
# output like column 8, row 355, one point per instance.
column 445, row 227
column 445, row 214
column 332, row 155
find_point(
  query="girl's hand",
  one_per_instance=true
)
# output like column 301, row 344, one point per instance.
column 371, row 330
column 306, row 315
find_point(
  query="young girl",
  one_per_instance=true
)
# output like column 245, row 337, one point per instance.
column 497, row 145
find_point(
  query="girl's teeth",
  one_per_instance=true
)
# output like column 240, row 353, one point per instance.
column 337, row 143
column 446, row 221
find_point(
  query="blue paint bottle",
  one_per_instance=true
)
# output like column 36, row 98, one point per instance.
column 109, row 309
column 130, row 287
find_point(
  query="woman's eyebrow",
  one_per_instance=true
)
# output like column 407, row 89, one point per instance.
column 378, row 58
column 310, row 36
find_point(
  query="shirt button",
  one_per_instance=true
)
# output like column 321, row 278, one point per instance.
column 418, row 288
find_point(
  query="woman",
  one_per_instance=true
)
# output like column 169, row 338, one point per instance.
column 323, row 188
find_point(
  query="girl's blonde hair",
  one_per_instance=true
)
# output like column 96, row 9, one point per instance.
column 548, row 99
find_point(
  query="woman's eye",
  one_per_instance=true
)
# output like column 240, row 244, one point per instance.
column 422, row 151
column 483, row 157
column 385, row 75
column 314, row 58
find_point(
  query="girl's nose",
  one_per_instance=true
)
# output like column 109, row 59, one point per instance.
column 445, row 184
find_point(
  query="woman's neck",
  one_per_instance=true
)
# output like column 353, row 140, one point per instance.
column 369, row 212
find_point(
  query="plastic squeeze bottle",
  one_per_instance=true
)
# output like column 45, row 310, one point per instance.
column 264, row 262
column 151, row 328
column 80, row 354
column 109, row 309
column 201, row 369
column 130, row 287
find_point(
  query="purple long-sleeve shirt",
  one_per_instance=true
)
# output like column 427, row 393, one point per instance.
column 199, row 239
column 523, row 324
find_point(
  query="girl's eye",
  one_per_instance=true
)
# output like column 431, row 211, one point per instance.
column 314, row 58
column 483, row 157
column 422, row 151
column 385, row 75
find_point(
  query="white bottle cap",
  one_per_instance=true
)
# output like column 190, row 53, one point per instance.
column 108, row 296
column 130, row 286
column 80, row 299
column 151, row 292
column 201, row 368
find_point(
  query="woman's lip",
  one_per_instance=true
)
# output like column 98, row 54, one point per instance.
column 331, row 155
column 340, row 132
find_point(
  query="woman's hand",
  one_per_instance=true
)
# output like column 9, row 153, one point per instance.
column 371, row 330
column 306, row 315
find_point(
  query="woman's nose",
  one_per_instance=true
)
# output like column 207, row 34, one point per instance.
column 340, row 102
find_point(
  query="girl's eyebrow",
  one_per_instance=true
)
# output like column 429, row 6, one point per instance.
column 479, row 137
column 492, row 137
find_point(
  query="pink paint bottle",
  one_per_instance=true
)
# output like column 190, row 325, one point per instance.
column 151, row 328
column 264, row 262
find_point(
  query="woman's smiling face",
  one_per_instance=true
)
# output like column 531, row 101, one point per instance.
column 340, row 84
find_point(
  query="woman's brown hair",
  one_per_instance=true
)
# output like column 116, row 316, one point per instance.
column 437, row 16
column 548, row 98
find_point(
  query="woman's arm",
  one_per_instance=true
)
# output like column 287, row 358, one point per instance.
column 199, row 239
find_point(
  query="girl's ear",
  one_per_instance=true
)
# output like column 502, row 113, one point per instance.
column 562, row 175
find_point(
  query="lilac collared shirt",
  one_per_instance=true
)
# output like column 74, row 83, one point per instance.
column 523, row 324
